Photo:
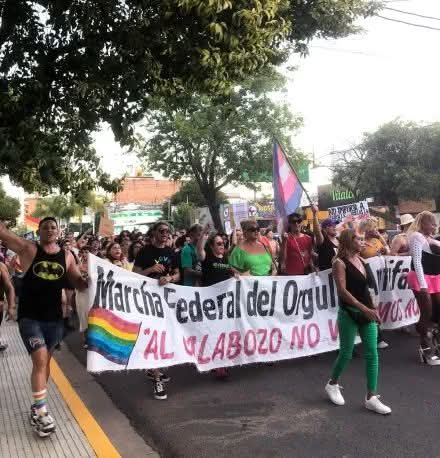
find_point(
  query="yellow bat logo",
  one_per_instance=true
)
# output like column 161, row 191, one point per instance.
column 48, row 270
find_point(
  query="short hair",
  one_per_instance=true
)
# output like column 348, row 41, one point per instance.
column 47, row 218
column 295, row 215
column 247, row 223
column 194, row 229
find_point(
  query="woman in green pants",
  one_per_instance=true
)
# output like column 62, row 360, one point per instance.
column 356, row 315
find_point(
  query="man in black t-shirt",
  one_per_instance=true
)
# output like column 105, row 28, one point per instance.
column 159, row 262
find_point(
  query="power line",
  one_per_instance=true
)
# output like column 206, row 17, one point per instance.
column 412, row 14
column 408, row 23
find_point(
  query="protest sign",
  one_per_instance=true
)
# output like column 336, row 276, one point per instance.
column 106, row 227
column 356, row 210
column 136, row 324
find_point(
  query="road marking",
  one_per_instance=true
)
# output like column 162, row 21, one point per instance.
column 97, row 438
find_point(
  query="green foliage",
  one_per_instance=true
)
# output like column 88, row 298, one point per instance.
column 183, row 216
column 190, row 193
column 215, row 140
column 65, row 207
column 9, row 208
column 67, row 66
column 398, row 161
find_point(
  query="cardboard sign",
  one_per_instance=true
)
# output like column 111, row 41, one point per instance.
column 105, row 227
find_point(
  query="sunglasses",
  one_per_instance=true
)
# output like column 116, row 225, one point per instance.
column 253, row 229
column 164, row 231
column 220, row 243
column 295, row 221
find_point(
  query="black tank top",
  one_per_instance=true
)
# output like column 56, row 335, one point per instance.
column 326, row 252
column 357, row 284
column 42, row 286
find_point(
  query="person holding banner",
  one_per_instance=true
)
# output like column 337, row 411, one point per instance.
column 40, row 317
column 356, row 315
column 424, row 280
column 296, row 249
column 250, row 256
column 158, row 261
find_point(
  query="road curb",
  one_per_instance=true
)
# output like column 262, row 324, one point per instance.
column 112, row 421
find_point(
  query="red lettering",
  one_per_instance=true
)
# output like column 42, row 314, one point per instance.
column 297, row 339
column 234, row 346
column 275, row 338
column 151, row 348
column 219, row 347
column 313, row 341
column 250, row 335
column 333, row 328
column 395, row 312
column 190, row 345
column 201, row 359
column 163, row 343
column 384, row 310
column 263, row 333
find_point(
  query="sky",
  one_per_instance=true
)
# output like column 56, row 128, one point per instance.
column 349, row 86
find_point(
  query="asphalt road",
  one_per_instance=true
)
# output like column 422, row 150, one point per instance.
column 282, row 411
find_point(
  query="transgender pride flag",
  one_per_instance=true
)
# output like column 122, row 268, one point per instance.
column 287, row 188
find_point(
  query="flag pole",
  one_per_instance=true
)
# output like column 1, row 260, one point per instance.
column 294, row 171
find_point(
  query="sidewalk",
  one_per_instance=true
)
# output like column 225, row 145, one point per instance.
column 17, row 438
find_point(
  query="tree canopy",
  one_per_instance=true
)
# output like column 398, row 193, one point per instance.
column 70, row 65
column 9, row 208
column 398, row 161
column 215, row 140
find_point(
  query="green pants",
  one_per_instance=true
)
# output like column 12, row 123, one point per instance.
column 347, row 334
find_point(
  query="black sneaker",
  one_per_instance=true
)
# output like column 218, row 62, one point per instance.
column 44, row 425
column 159, row 391
column 164, row 378
column 3, row 346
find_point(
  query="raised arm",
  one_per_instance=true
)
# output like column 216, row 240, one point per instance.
column 319, row 237
column 201, row 252
column 25, row 249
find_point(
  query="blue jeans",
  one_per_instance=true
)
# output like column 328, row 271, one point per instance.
column 37, row 334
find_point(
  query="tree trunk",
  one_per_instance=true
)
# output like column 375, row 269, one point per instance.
column 214, row 209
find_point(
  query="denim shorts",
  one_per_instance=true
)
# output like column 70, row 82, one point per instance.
column 37, row 334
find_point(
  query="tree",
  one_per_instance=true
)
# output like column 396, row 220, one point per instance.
column 190, row 192
column 67, row 66
column 215, row 140
column 9, row 208
column 398, row 161
column 60, row 207
column 183, row 216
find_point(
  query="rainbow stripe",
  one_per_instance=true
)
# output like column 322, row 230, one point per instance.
column 111, row 336
column 286, row 186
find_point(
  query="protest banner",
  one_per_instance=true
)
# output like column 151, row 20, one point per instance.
column 136, row 324
column 356, row 210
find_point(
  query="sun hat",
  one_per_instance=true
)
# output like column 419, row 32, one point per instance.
column 406, row 219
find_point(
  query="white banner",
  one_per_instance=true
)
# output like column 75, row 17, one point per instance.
column 136, row 324
column 357, row 210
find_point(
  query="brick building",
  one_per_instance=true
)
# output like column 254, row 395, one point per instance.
column 146, row 190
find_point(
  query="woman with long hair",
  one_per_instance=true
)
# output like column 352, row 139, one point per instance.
column 250, row 256
column 356, row 315
column 424, row 279
column 114, row 255
column 399, row 244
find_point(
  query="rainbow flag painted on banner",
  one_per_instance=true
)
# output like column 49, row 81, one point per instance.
column 111, row 336
column 286, row 186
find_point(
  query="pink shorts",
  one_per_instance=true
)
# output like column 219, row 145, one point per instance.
column 432, row 281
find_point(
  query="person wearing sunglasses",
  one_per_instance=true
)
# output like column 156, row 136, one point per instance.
column 296, row 250
column 159, row 262
column 250, row 256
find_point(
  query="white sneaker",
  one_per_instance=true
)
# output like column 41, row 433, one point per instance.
column 334, row 394
column 377, row 406
column 382, row 345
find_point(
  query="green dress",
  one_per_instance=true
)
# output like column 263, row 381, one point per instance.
column 257, row 264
